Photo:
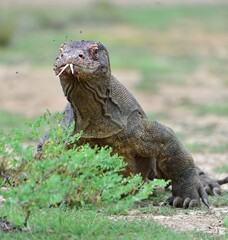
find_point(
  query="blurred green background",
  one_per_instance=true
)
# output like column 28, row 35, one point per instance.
column 157, row 38
column 172, row 55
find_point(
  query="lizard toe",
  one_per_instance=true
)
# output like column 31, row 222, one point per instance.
column 211, row 186
column 169, row 201
column 186, row 203
column 216, row 191
column 207, row 190
column 194, row 203
column 178, row 202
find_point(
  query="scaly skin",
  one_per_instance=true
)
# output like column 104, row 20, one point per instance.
column 109, row 115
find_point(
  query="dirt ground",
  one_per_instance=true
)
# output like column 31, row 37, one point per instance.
column 208, row 221
column 31, row 91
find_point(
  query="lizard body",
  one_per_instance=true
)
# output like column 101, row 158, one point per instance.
column 108, row 114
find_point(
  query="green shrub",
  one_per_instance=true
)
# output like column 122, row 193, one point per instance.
column 78, row 176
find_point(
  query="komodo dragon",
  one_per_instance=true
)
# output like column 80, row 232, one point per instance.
column 108, row 114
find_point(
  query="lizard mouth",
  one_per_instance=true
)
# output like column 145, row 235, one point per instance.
column 65, row 68
column 71, row 68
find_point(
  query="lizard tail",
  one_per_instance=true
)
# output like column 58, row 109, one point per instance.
column 223, row 181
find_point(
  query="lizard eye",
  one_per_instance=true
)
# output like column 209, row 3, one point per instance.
column 95, row 51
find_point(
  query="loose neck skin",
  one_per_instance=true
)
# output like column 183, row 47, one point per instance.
column 89, row 101
column 87, row 96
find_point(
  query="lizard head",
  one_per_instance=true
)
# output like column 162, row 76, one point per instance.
column 82, row 59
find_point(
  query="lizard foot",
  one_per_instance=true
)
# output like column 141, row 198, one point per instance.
column 187, row 192
column 212, row 186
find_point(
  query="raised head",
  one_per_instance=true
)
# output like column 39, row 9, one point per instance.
column 82, row 59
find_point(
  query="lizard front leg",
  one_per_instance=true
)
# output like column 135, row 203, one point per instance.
column 173, row 161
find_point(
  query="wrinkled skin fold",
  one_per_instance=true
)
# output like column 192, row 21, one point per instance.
column 108, row 114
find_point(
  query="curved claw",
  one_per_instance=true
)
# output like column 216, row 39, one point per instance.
column 203, row 195
column 205, row 201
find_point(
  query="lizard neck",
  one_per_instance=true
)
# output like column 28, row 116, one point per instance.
column 89, row 101
column 88, row 98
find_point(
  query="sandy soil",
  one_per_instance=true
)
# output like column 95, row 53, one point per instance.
column 209, row 221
